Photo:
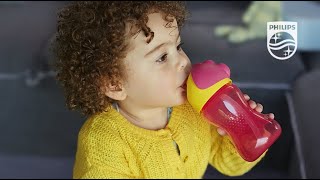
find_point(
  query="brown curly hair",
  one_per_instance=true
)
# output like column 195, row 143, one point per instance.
column 91, row 41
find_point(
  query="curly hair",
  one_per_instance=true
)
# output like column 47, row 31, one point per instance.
column 91, row 41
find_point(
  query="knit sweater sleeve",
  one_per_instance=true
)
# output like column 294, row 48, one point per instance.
column 225, row 158
column 100, row 155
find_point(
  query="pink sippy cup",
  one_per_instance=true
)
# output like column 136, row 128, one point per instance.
column 210, row 91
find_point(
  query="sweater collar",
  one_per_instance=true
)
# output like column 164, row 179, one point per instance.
column 124, row 125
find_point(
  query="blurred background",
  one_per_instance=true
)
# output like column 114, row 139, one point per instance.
column 38, row 135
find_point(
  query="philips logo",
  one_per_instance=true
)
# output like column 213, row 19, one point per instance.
column 282, row 39
column 282, row 27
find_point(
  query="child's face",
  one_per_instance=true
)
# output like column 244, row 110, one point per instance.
column 155, row 75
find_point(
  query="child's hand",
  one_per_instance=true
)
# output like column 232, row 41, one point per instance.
column 258, row 107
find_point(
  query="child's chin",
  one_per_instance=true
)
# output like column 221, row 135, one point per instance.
column 182, row 100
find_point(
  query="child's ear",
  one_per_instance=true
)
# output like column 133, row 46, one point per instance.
column 116, row 92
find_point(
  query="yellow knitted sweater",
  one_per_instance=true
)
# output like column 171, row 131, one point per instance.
column 109, row 146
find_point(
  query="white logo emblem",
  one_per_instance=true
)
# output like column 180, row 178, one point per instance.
column 282, row 39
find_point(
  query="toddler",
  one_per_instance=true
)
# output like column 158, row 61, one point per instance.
column 121, row 64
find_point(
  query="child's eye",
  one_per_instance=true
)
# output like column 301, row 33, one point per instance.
column 162, row 59
column 179, row 48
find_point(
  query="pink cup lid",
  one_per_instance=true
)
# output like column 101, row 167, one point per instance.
column 208, row 72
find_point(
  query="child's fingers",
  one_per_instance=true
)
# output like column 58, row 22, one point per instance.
column 252, row 104
column 271, row 115
column 259, row 108
column 221, row 132
column 246, row 96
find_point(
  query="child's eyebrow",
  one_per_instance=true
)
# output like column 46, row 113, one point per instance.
column 159, row 46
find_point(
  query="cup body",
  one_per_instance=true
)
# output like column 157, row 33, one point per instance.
column 251, row 132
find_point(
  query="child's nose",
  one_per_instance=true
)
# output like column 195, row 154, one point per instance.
column 183, row 62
